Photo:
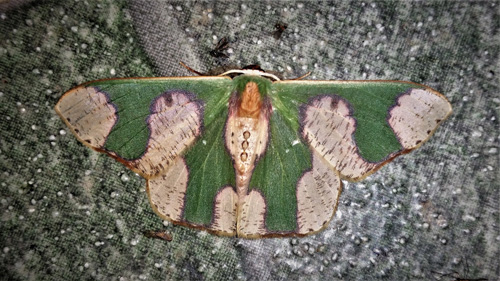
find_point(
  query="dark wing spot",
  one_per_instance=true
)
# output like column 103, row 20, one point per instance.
column 89, row 141
column 335, row 103
column 168, row 100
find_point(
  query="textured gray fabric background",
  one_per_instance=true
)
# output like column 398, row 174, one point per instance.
column 68, row 213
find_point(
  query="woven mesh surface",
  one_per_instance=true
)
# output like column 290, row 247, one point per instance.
column 68, row 213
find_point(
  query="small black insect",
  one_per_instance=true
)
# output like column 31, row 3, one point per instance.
column 221, row 46
column 279, row 29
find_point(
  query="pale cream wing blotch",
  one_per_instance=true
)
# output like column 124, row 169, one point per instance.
column 416, row 115
column 224, row 218
column 88, row 113
column 167, row 191
column 174, row 124
column 318, row 191
column 252, row 215
column 328, row 126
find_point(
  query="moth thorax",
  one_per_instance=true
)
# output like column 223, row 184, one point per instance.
column 250, row 101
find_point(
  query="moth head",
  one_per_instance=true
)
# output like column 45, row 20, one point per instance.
column 250, row 101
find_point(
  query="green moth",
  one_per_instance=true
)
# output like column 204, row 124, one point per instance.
column 251, row 156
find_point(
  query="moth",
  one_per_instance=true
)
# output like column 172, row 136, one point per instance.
column 246, row 154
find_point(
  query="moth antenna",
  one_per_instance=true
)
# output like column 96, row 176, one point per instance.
column 302, row 77
column 190, row 69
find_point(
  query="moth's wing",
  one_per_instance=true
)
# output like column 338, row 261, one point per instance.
column 169, row 131
column 323, row 131
column 358, row 126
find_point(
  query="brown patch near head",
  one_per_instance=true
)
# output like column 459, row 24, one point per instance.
column 250, row 101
